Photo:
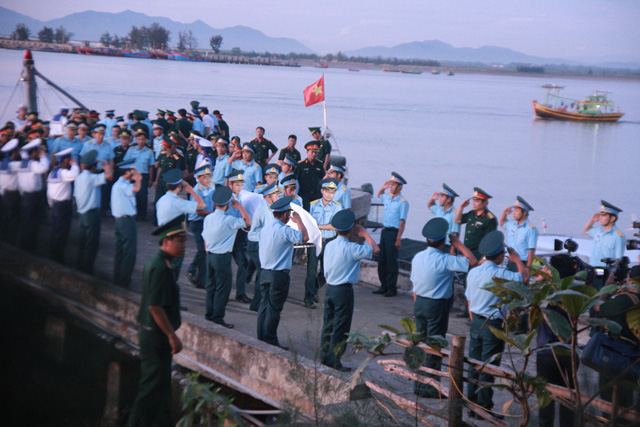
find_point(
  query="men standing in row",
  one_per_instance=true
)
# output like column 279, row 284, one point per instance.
column 276, row 256
column 59, row 192
column 88, row 199
column 441, row 205
column 432, row 272
column 123, row 209
column 219, row 234
column 144, row 164
column 159, row 318
column 198, row 268
column 484, row 343
column 608, row 240
column 522, row 235
column 342, row 267
column 30, row 176
column 322, row 210
column 394, row 220
column 310, row 172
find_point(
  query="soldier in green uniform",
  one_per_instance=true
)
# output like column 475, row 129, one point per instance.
column 478, row 223
column 191, row 153
column 261, row 147
column 170, row 158
column 159, row 318
column 224, row 126
column 310, row 172
column 121, row 150
column 162, row 121
column 138, row 117
column 324, row 146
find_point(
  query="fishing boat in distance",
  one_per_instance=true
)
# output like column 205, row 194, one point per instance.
column 411, row 71
column 354, row 69
column 594, row 108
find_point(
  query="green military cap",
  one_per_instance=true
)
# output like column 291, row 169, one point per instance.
column 127, row 164
column 343, row 220
column 125, row 132
column 608, row 208
column 396, row 177
column 89, row 158
column 162, row 112
column 314, row 129
column 137, row 114
column 492, row 244
column 174, row 227
column 141, row 131
column 479, row 193
column 173, row 176
column 330, row 184
column 435, row 229
column 171, row 113
column 194, row 104
column 448, row 191
column 522, row 204
column 282, row 205
column 221, row 196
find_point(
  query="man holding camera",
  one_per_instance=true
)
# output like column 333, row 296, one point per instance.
column 608, row 239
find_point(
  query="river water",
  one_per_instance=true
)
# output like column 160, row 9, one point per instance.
column 466, row 130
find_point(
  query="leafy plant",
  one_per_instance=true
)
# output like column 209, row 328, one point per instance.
column 204, row 405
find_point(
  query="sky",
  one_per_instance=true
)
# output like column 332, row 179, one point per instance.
column 568, row 29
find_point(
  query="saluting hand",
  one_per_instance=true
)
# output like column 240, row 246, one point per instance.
column 359, row 230
column 508, row 210
column 465, row 203
column 595, row 217
column 295, row 217
column 435, row 196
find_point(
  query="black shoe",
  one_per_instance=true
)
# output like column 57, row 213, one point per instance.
column 462, row 315
column 199, row 286
column 183, row 308
column 225, row 324
column 192, row 278
column 310, row 305
column 379, row 291
column 315, row 299
column 253, row 309
column 243, row 299
column 390, row 293
column 284, row 347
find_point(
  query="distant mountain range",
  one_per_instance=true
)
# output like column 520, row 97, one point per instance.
column 90, row 25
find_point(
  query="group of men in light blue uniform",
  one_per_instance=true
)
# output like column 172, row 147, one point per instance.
column 219, row 234
column 69, row 140
column 322, row 210
column 341, row 269
column 123, row 209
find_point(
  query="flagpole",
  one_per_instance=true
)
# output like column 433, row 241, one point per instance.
column 324, row 107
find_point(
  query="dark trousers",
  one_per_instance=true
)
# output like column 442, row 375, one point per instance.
column 482, row 346
column 432, row 318
column 252, row 252
column 547, row 368
column 315, row 277
column 89, row 240
column 218, row 286
column 152, row 406
column 275, row 290
column 10, row 205
column 105, row 198
column 338, row 313
column 240, row 257
column 61, row 213
column 124, row 259
column 388, row 259
column 198, row 267
column 31, row 209
column 141, row 197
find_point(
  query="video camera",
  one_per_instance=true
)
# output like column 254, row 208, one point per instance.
column 634, row 244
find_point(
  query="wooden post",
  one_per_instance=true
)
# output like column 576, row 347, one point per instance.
column 112, row 404
column 456, row 365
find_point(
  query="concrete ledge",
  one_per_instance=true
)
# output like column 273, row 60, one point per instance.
column 224, row 355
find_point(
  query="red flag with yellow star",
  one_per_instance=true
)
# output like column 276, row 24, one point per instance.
column 314, row 93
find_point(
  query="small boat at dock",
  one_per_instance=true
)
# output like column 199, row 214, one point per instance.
column 596, row 107
column 411, row 71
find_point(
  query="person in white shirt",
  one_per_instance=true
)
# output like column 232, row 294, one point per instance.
column 9, row 194
column 59, row 192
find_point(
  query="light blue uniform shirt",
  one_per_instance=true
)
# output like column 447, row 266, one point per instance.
column 276, row 245
column 205, row 193
column 323, row 214
column 432, row 273
column 157, row 146
column 261, row 216
column 342, row 260
column 143, row 158
column 62, row 143
column 252, row 173
column 521, row 237
column 395, row 210
column 105, row 151
column 109, row 123
column 297, row 200
column 123, row 199
column 170, row 206
column 480, row 299
column 343, row 196
column 87, row 190
column 197, row 125
column 233, row 211
column 609, row 244
column 221, row 170
column 219, row 231
column 449, row 215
